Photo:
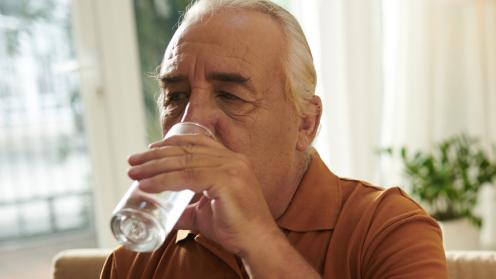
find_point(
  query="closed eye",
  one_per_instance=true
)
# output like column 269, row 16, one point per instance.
column 228, row 96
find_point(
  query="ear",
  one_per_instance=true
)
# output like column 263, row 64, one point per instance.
column 309, row 123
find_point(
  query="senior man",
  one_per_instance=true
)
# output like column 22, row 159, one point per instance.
column 267, row 205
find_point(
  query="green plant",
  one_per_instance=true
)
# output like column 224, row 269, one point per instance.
column 448, row 179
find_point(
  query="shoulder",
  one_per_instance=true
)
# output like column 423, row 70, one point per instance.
column 388, row 233
column 124, row 263
column 120, row 263
column 367, row 200
column 376, row 213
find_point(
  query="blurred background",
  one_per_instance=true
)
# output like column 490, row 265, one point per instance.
column 409, row 92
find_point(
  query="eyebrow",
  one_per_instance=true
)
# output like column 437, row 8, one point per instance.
column 171, row 79
column 235, row 78
column 228, row 77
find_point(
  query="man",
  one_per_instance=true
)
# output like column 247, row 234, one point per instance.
column 267, row 207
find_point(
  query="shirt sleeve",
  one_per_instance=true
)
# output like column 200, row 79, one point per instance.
column 108, row 270
column 403, row 241
column 119, row 264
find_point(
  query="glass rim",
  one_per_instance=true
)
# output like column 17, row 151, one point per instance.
column 187, row 123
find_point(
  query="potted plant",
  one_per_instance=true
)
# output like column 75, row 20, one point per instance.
column 447, row 180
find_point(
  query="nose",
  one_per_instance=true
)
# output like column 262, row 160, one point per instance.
column 202, row 109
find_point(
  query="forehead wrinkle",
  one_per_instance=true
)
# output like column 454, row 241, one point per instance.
column 233, row 51
column 172, row 65
column 198, row 70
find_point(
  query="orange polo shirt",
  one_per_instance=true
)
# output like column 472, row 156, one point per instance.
column 343, row 228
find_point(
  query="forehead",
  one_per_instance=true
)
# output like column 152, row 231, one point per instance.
column 241, row 40
column 212, row 57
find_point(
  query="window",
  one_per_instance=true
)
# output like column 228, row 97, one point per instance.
column 45, row 171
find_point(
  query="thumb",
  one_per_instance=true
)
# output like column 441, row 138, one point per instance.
column 187, row 219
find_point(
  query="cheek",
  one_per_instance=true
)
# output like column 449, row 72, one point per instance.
column 271, row 138
column 232, row 135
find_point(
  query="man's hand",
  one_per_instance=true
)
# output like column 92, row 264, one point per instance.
column 232, row 210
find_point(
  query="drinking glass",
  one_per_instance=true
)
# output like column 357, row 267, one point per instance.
column 141, row 221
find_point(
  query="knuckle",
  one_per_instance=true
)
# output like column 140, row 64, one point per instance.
column 232, row 172
column 189, row 176
column 188, row 158
column 186, row 148
column 235, row 168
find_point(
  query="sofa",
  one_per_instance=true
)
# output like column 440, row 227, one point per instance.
column 87, row 263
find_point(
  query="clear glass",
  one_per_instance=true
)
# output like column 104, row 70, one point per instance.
column 141, row 221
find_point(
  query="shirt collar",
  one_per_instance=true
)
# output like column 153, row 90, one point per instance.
column 213, row 247
column 182, row 235
column 317, row 201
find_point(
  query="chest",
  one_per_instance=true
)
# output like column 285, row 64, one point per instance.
column 194, row 259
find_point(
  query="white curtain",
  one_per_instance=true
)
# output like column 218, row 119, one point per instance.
column 400, row 72
column 345, row 37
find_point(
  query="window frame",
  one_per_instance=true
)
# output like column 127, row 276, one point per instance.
column 106, row 47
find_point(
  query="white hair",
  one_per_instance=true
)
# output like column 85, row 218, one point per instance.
column 298, row 65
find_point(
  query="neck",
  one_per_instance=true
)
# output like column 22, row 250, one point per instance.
column 285, row 195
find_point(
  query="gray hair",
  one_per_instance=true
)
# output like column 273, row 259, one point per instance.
column 298, row 66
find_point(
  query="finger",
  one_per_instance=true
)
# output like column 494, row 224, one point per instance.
column 152, row 154
column 167, row 151
column 189, row 220
column 196, row 198
column 155, row 143
column 167, row 164
column 194, row 179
